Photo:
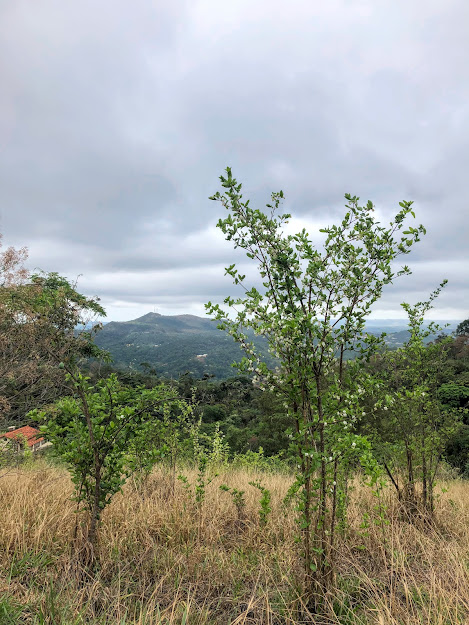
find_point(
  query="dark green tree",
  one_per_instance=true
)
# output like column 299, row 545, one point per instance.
column 46, row 325
column 463, row 328
column 103, row 432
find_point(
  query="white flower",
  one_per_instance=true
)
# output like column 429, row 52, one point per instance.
column 354, row 444
column 385, row 407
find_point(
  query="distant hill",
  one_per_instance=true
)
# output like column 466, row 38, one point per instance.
column 397, row 333
column 173, row 345
column 392, row 326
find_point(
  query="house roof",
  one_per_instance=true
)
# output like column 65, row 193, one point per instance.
column 32, row 435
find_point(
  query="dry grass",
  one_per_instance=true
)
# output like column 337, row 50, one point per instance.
column 163, row 563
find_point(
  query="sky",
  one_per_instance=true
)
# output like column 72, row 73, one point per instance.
column 117, row 119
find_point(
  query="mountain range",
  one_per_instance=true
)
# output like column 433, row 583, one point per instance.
column 174, row 345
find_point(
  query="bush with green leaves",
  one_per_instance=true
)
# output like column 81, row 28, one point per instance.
column 409, row 426
column 238, row 499
column 259, row 462
column 93, row 431
column 311, row 306
column 161, row 440
column 264, row 502
column 206, row 462
column 454, row 395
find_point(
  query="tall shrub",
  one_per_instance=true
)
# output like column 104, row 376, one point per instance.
column 312, row 307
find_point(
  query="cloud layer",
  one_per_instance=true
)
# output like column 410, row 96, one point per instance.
column 117, row 118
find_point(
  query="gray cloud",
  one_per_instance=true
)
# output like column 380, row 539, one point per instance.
column 116, row 119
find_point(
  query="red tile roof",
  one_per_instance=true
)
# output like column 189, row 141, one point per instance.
column 32, row 435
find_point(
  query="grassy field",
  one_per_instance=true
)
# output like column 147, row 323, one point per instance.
column 161, row 562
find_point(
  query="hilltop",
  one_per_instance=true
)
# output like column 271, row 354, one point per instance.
column 172, row 345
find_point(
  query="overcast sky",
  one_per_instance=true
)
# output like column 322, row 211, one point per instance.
column 117, row 117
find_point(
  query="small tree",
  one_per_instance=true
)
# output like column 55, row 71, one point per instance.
column 43, row 322
column 161, row 439
column 13, row 275
column 312, row 309
column 463, row 328
column 93, row 432
column 410, row 428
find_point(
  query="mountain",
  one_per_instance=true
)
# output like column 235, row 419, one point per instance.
column 397, row 333
column 173, row 345
column 393, row 326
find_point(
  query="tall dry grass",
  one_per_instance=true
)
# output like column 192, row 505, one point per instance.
column 163, row 562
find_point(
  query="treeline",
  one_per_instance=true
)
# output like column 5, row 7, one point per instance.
column 252, row 419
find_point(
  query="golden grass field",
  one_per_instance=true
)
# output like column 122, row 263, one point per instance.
column 161, row 563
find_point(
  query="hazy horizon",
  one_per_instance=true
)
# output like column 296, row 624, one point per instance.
column 399, row 322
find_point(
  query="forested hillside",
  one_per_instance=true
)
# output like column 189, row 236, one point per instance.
column 173, row 345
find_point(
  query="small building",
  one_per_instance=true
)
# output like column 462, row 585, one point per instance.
column 27, row 435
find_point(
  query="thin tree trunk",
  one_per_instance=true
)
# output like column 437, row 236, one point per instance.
column 424, row 479
column 95, row 510
column 333, row 527
column 395, row 483
column 306, row 471
column 308, row 560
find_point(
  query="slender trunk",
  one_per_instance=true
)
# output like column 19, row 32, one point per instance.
column 410, row 499
column 323, row 574
column 410, row 474
column 307, row 529
column 77, row 510
column 307, row 495
column 173, row 471
column 323, row 506
column 394, row 481
column 424, row 479
column 333, row 526
column 431, row 500
column 431, row 484
column 95, row 509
